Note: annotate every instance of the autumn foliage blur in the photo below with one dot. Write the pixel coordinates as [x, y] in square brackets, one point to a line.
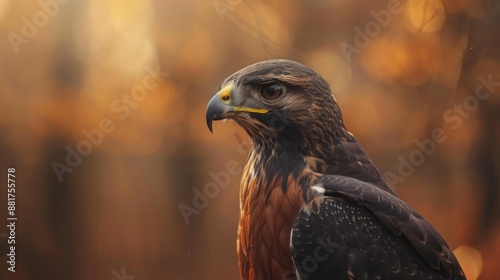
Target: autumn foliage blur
[102, 112]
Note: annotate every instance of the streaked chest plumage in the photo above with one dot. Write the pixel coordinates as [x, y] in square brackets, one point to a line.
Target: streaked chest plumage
[268, 212]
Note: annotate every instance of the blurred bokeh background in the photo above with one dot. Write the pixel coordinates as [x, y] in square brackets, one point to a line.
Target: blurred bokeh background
[102, 113]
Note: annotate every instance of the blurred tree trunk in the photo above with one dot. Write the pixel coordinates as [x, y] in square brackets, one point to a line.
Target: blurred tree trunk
[483, 41]
[61, 219]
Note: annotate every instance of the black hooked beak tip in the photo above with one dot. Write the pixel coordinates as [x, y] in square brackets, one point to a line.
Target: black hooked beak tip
[216, 110]
[218, 107]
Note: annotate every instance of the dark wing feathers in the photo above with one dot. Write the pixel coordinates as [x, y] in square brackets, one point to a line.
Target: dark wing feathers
[396, 215]
[379, 235]
[356, 246]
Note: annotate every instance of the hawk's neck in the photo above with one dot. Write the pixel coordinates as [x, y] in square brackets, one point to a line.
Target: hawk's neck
[272, 194]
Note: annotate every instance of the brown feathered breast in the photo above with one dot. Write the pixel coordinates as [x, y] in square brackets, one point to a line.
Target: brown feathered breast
[267, 215]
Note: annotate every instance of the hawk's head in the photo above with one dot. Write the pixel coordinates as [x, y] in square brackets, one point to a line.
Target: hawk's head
[280, 102]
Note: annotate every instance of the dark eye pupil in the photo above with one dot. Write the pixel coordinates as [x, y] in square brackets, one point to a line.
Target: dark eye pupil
[272, 92]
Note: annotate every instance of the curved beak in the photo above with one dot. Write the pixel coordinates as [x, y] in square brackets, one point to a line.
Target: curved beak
[220, 106]
[217, 110]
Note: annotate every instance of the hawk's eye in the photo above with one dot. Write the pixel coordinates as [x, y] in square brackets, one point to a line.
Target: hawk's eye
[271, 91]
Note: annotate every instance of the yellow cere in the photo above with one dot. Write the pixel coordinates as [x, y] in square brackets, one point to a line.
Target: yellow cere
[225, 93]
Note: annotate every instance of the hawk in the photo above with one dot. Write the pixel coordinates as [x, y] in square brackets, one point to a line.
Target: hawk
[312, 203]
